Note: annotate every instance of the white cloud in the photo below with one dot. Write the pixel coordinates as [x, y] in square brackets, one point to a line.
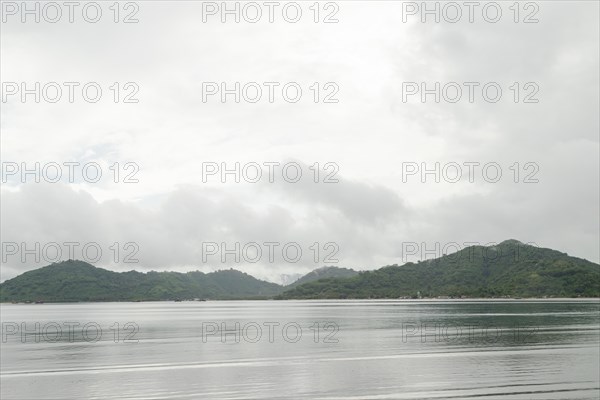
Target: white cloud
[369, 133]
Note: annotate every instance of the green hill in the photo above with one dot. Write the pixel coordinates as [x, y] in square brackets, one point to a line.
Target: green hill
[79, 281]
[324, 272]
[508, 269]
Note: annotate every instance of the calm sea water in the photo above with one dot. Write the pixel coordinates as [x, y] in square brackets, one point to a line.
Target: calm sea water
[302, 349]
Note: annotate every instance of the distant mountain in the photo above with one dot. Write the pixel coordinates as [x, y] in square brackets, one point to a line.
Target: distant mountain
[288, 279]
[324, 272]
[508, 269]
[79, 281]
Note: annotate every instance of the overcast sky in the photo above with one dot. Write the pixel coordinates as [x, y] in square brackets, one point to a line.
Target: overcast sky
[365, 217]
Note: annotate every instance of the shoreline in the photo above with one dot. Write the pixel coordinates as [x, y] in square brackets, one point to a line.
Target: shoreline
[432, 300]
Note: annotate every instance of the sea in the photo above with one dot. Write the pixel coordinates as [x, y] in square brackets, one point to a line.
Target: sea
[322, 349]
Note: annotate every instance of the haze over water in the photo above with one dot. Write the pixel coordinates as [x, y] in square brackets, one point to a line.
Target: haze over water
[346, 349]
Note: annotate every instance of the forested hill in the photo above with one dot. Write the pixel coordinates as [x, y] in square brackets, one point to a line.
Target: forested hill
[325, 272]
[79, 281]
[509, 269]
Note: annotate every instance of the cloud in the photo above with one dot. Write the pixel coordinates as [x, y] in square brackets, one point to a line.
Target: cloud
[173, 234]
[171, 133]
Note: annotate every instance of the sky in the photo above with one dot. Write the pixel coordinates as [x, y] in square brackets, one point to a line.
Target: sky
[359, 165]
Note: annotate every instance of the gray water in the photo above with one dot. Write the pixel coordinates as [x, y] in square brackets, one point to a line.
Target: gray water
[302, 349]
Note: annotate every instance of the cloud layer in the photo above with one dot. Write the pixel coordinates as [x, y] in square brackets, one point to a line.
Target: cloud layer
[368, 134]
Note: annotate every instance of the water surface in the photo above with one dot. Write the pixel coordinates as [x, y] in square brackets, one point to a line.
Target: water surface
[302, 349]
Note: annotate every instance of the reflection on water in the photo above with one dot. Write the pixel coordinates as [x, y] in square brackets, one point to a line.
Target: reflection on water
[302, 349]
